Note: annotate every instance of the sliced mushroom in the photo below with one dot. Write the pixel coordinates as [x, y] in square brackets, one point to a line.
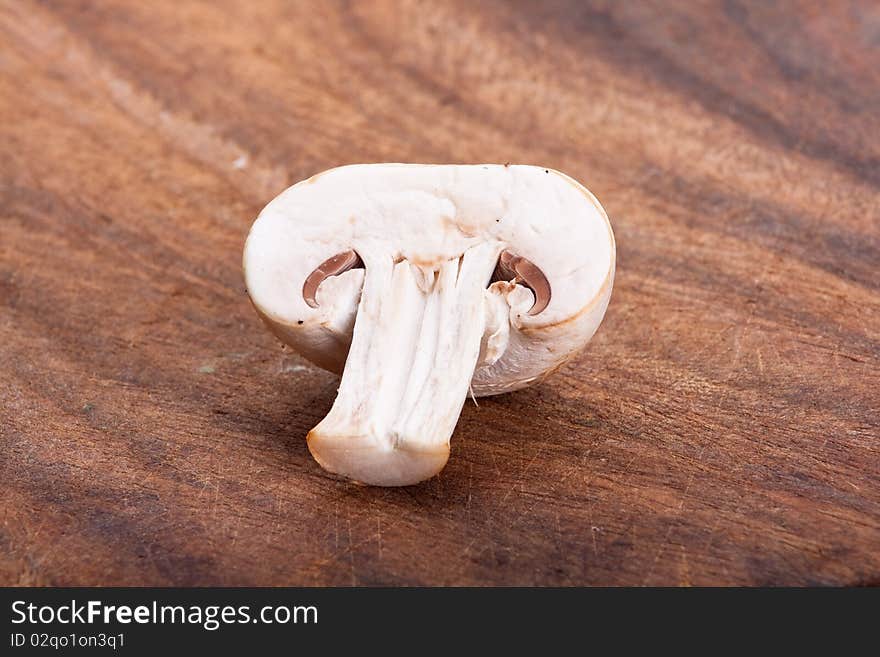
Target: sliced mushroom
[403, 255]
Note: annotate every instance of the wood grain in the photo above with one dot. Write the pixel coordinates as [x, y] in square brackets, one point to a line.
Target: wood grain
[723, 427]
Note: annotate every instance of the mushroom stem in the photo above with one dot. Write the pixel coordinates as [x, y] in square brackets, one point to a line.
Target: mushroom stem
[414, 349]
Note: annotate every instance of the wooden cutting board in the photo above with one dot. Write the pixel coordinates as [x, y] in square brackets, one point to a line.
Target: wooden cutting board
[722, 428]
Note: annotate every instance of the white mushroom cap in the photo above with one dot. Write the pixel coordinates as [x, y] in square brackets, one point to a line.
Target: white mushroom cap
[425, 240]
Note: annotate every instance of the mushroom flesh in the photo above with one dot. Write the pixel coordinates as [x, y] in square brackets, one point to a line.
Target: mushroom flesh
[422, 284]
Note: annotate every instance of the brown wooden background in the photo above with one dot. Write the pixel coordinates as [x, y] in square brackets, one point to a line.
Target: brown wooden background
[722, 429]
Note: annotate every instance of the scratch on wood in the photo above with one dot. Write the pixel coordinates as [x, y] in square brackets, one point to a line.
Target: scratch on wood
[351, 555]
[660, 551]
[379, 536]
[684, 571]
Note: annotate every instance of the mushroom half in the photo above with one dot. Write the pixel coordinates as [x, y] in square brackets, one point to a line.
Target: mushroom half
[421, 284]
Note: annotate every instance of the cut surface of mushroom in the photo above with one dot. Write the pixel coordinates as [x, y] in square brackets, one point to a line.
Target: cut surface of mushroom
[435, 282]
[415, 345]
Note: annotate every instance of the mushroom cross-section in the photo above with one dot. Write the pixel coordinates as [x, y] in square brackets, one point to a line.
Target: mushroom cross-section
[421, 284]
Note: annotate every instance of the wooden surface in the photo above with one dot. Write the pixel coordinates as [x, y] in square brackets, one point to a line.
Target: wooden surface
[721, 429]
